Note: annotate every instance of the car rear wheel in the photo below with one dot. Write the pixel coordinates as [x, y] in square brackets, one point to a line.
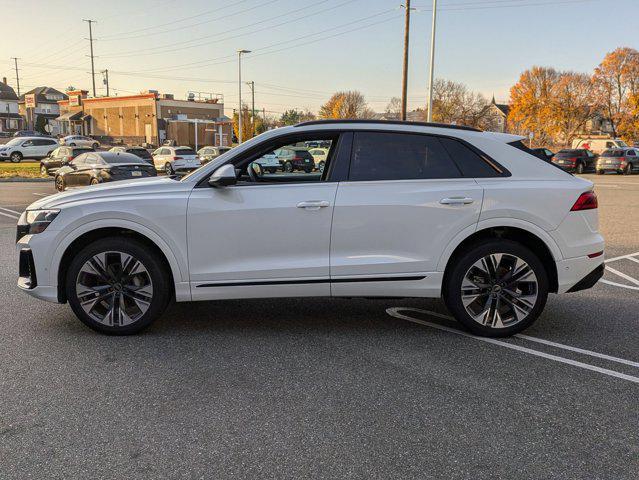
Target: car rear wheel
[168, 169]
[117, 286]
[321, 166]
[16, 157]
[496, 288]
[94, 181]
[628, 169]
[580, 168]
[60, 184]
[271, 170]
[288, 167]
[43, 170]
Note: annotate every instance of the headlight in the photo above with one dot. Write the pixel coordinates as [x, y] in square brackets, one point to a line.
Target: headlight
[35, 221]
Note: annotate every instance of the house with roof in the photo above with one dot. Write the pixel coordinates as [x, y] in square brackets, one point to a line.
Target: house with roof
[47, 107]
[498, 116]
[10, 118]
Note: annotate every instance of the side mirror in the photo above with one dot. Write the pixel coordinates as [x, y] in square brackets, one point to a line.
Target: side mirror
[223, 176]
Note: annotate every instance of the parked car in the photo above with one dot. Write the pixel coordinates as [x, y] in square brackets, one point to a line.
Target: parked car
[59, 157]
[99, 167]
[175, 160]
[80, 141]
[597, 145]
[27, 147]
[30, 133]
[206, 154]
[406, 210]
[578, 161]
[141, 152]
[293, 158]
[319, 157]
[269, 162]
[622, 160]
[543, 153]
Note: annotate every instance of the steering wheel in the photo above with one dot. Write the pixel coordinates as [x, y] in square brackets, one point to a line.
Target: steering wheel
[254, 171]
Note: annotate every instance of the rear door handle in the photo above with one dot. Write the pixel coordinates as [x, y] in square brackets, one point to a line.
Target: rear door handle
[456, 201]
[313, 204]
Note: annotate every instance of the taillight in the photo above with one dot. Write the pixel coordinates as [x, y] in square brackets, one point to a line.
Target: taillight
[177, 158]
[586, 201]
[297, 158]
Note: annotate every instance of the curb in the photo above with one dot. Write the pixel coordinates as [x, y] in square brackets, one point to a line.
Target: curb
[25, 179]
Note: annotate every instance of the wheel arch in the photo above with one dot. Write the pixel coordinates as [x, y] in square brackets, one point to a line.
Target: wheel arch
[91, 232]
[540, 243]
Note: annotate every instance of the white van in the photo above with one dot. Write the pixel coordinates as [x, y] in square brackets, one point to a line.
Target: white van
[598, 144]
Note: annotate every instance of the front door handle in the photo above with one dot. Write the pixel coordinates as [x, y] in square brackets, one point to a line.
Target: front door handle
[456, 201]
[313, 204]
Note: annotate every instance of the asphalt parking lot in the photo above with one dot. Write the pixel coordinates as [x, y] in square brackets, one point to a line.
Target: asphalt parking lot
[317, 388]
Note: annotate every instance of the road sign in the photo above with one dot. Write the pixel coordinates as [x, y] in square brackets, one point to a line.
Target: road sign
[30, 100]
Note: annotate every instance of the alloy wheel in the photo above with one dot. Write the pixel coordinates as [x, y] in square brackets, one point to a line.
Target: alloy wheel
[499, 290]
[114, 288]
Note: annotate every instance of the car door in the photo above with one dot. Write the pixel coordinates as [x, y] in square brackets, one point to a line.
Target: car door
[158, 158]
[75, 168]
[591, 160]
[405, 200]
[269, 239]
[29, 149]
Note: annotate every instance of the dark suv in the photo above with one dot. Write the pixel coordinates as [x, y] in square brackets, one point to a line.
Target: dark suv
[620, 160]
[578, 160]
[295, 158]
[60, 157]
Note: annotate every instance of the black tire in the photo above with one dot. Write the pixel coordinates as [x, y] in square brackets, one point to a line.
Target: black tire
[321, 166]
[95, 146]
[288, 167]
[580, 168]
[628, 169]
[168, 169]
[94, 181]
[160, 279]
[43, 170]
[600, 172]
[308, 170]
[15, 157]
[60, 184]
[456, 271]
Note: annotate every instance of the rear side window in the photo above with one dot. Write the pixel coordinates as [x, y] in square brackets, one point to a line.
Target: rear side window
[469, 162]
[399, 156]
[78, 151]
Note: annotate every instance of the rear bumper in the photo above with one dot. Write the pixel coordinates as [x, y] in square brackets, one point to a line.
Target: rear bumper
[589, 280]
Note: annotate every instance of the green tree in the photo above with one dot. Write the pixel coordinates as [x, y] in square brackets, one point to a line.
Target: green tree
[40, 123]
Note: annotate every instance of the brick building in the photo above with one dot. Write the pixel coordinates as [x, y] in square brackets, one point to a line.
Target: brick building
[143, 118]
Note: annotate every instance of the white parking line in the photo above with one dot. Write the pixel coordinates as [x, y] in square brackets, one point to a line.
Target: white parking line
[622, 275]
[15, 217]
[8, 210]
[394, 312]
[633, 258]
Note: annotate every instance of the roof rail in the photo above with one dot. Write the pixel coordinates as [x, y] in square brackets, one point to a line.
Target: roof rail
[389, 122]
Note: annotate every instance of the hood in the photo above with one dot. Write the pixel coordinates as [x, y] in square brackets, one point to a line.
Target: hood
[124, 188]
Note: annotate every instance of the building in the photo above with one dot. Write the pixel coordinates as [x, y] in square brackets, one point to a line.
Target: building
[498, 116]
[147, 117]
[46, 106]
[10, 118]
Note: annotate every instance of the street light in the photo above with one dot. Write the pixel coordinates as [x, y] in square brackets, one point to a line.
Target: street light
[429, 115]
[239, 73]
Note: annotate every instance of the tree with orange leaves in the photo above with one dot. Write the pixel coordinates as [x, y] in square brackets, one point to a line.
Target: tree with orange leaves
[350, 104]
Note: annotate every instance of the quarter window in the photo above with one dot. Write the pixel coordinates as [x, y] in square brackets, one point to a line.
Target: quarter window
[469, 162]
[399, 156]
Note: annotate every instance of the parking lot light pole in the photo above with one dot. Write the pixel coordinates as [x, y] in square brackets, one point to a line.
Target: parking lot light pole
[239, 74]
[429, 117]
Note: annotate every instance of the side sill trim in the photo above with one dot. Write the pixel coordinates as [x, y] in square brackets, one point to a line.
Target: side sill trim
[306, 282]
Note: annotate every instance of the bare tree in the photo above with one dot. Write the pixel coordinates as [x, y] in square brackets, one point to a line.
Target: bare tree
[349, 104]
[394, 107]
[454, 103]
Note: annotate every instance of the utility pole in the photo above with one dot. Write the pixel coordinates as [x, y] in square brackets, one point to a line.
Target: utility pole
[264, 117]
[429, 117]
[91, 46]
[252, 85]
[105, 80]
[15, 60]
[239, 82]
[402, 115]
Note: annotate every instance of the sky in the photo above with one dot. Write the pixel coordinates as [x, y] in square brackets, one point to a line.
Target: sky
[302, 50]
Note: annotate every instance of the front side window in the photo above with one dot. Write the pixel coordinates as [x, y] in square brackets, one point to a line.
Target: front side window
[399, 156]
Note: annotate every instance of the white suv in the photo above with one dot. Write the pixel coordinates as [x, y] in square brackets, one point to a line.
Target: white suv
[172, 160]
[27, 147]
[401, 210]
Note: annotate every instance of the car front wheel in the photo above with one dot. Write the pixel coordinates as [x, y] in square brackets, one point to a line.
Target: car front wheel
[16, 157]
[117, 286]
[43, 170]
[60, 185]
[496, 288]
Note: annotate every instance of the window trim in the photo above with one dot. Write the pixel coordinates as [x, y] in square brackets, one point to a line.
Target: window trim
[500, 171]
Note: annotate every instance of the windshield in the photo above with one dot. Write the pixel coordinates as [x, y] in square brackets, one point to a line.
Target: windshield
[621, 143]
[184, 151]
[15, 141]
